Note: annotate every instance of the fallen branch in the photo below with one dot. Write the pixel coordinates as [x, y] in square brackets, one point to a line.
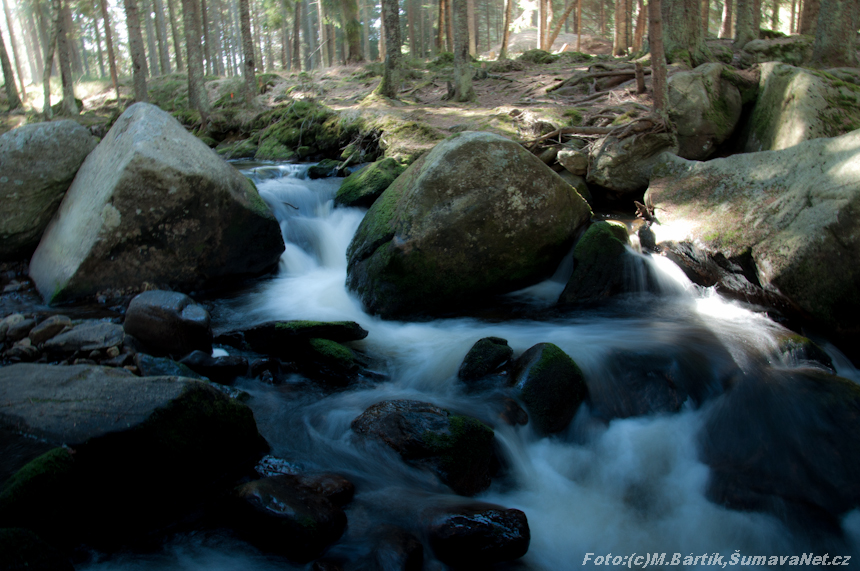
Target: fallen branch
[570, 131]
[573, 81]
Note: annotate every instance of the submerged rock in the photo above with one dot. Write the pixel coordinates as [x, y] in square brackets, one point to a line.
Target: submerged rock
[153, 203]
[550, 385]
[150, 366]
[789, 212]
[284, 515]
[169, 323]
[459, 449]
[476, 535]
[38, 163]
[223, 369]
[477, 215]
[362, 188]
[484, 358]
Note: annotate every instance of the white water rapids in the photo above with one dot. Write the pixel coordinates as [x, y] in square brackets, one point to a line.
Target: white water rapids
[630, 486]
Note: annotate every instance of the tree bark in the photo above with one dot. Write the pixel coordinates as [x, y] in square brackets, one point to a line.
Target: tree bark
[248, 66]
[792, 28]
[109, 42]
[297, 46]
[154, 68]
[619, 42]
[726, 28]
[9, 78]
[69, 105]
[682, 33]
[138, 57]
[809, 17]
[473, 32]
[11, 27]
[744, 30]
[50, 46]
[352, 31]
[463, 90]
[659, 87]
[506, 29]
[756, 17]
[197, 96]
[449, 11]
[706, 16]
[99, 52]
[774, 18]
[641, 25]
[217, 45]
[161, 37]
[177, 45]
[835, 35]
[557, 30]
[365, 30]
[390, 84]
[207, 44]
[541, 27]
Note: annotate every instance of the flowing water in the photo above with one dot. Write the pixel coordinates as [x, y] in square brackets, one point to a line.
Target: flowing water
[627, 486]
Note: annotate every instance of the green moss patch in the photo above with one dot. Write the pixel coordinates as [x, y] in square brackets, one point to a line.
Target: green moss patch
[362, 188]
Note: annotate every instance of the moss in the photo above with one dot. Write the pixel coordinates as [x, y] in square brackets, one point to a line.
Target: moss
[599, 237]
[574, 57]
[50, 470]
[365, 186]
[551, 388]
[464, 453]
[626, 117]
[538, 57]
[574, 116]
[273, 150]
[324, 169]
[444, 59]
[333, 352]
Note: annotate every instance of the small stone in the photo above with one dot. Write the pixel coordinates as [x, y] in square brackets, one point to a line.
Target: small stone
[95, 355]
[49, 328]
[7, 322]
[113, 352]
[19, 330]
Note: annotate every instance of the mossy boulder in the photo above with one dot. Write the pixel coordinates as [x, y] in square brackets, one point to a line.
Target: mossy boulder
[306, 127]
[173, 441]
[39, 162]
[485, 357]
[796, 104]
[799, 350]
[793, 50]
[362, 188]
[153, 203]
[600, 265]
[550, 385]
[324, 169]
[458, 449]
[275, 337]
[270, 149]
[23, 550]
[243, 149]
[478, 215]
[624, 165]
[705, 109]
[792, 213]
[538, 56]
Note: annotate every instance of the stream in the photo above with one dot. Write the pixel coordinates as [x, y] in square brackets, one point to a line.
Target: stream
[628, 486]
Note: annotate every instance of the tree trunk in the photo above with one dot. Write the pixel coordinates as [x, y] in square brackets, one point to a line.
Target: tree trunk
[297, 46]
[323, 45]
[682, 33]
[34, 42]
[84, 54]
[641, 25]
[809, 17]
[15, 54]
[578, 25]
[449, 12]
[177, 45]
[463, 90]
[154, 69]
[541, 24]
[365, 30]
[756, 17]
[98, 37]
[774, 18]
[138, 57]
[835, 35]
[310, 37]
[217, 46]
[69, 105]
[726, 29]
[619, 42]
[207, 44]
[9, 78]
[161, 37]
[744, 30]
[440, 27]
[76, 66]
[473, 32]
[46, 75]
[506, 29]
[248, 66]
[352, 31]
[706, 17]
[197, 96]
[390, 84]
[109, 42]
[792, 28]
[410, 26]
[557, 30]
[659, 87]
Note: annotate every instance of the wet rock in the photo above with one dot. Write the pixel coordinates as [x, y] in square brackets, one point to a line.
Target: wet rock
[20, 329]
[86, 336]
[283, 515]
[23, 350]
[48, 328]
[788, 213]
[550, 385]
[39, 163]
[796, 105]
[8, 322]
[793, 50]
[169, 322]
[276, 337]
[624, 165]
[757, 439]
[333, 487]
[799, 350]
[24, 550]
[602, 266]
[484, 358]
[173, 441]
[150, 366]
[395, 550]
[324, 169]
[477, 534]
[154, 204]
[445, 233]
[705, 108]
[579, 185]
[513, 414]
[459, 449]
[362, 188]
[222, 370]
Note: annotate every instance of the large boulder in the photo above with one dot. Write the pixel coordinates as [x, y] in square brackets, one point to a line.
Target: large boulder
[792, 214]
[477, 215]
[705, 109]
[169, 323]
[793, 50]
[160, 443]
[459, 449]
[38, 163]
[624, 165]
[153, 203]
[796, 104]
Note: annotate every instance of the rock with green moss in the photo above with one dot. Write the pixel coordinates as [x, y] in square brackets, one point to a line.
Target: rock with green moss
[793, 50]
[538, 56]
[550, 385]
[324, 169]
[705, 109]
[306, 127]
[153, 203]
[476, 216]
[275, 337]
[271, 149]
[23, 550]
[600, 261]
[39, 163]
[798, 350]
[791, 212]
[624, 165]
[172, 440]
[459, 449]
[362, 188]
[485, 358]
[796, 105]
[284, 514]
[579, 185]
[244, 149]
